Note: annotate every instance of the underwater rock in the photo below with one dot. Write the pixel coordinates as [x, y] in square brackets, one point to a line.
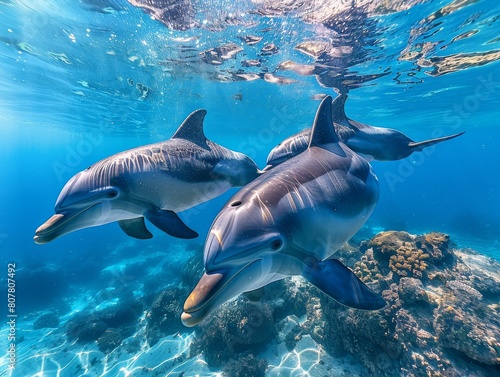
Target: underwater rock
[123, 314]
[289, 331]
[49, 320]
[411, 291]
[482, 272]
[247, 366]
[89, 326]
[287, 297]
[163, 317]
[238, 328]
[472, 329]
[86, 332]
[109, 341]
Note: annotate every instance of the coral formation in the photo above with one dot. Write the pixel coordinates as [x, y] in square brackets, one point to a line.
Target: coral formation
[163, 317]
[408, 261]
[247, 366]
[88, 326]
[108, 341]
[238, 328]
[440, 317]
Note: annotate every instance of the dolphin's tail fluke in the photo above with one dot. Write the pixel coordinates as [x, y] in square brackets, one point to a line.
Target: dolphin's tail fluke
[418, 146]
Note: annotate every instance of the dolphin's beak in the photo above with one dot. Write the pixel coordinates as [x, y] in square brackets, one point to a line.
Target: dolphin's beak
[216, 288]
[199, 298]
[45, 232]
[60, 224]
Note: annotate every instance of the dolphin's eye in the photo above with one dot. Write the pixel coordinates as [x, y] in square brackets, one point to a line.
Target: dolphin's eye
[276, 244]
[236, 203]
[112, 194]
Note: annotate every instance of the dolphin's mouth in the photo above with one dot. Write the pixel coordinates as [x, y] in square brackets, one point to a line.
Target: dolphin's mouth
[208, 289]
[47, 231]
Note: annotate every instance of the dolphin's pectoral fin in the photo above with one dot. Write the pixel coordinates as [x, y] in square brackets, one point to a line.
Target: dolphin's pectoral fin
[170, 223]
[340, 283]
[135, 228]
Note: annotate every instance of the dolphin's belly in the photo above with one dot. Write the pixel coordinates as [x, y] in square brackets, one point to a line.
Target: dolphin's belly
[166, 192]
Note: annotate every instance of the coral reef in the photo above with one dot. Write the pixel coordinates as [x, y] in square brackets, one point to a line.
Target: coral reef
[109, 340]
[441, 317]
[85, 331]
[403, 254]
[237, 329]
[163, 317]
[247, 366]
[89, 326]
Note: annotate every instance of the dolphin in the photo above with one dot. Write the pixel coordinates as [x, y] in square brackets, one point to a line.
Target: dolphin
[289, 221]
[154, 182]
[374, 143]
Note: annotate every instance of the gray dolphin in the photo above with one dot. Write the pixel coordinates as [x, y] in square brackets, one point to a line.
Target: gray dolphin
[152, 182]
[374, 143]
[288, 222]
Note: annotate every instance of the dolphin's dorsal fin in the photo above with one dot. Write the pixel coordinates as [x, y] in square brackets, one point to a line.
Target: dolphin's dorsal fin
[192, 129]
[323, 131]
[338, 110]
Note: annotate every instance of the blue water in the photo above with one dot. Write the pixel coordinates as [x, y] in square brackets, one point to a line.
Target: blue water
[72, 92]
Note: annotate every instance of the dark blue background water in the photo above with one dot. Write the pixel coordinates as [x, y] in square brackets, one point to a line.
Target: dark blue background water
[59, 114]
